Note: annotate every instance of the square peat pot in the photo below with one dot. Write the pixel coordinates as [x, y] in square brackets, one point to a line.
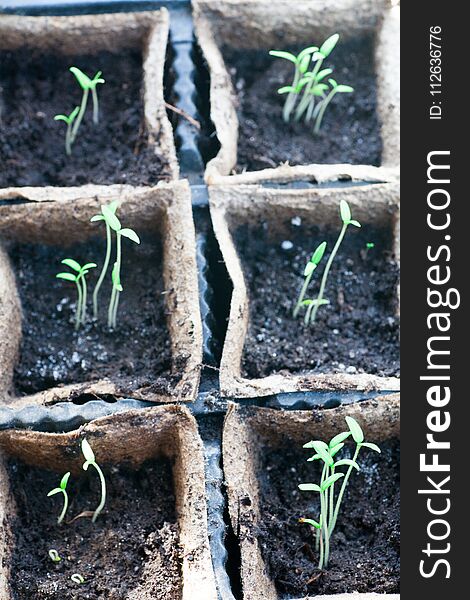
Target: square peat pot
[155, 351]
[133, 142]
[264, 462]
[267, 235]
[150, 540]
[359, 139]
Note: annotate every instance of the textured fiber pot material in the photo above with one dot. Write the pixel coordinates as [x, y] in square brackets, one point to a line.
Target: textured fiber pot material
[65, 219]
[89, 34]
[247, 433]
[261, 24]
[128, 439]
[232, 206]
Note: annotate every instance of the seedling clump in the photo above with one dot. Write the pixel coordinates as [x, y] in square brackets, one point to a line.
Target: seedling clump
[308, 93]
[75, 118]
[90, 460]
[62, 489]
[329, 503]
[314, 304]
[79, 278]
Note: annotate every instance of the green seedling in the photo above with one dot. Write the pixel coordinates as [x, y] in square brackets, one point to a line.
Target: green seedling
[308, 272]
[116, 274]
[308, 90]
[345, 213]
[62, 489]
[108, 215]
[79, 278]
[54, 555]
[86, 84]
[301, 64]
[329, 504]
[370, 245]
[68, 132]
[90, 460]
[77, 578]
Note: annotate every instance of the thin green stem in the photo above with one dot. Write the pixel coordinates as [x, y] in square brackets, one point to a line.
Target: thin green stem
[327, 270]
[111, 307]
[332, 500]
[308, 313]
[78, 310]
[306, 95]
[94, 95]
[68, 141]
[324, 104]
[319, 538]
[103, 492]
[115, 309]
[302, 294]
[343, 488]
[103, 271]
[84, 298]
[64, 509]
[291, 97]
[80, 115]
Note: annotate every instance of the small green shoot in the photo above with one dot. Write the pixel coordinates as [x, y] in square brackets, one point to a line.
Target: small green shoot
[308, 272]
[370, 245]
[329, 504]
[90, 460]
[77, 578]
[108, 215]
[68, 132]
[54, 555]
[79, 278]
[308, 89]
[62, 489]
[86, 84]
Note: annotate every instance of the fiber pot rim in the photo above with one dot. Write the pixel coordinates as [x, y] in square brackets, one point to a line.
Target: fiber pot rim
[267, 25]
[244, 429]
[378, 201]
[29, 220]
[149, 30]
[129, 438]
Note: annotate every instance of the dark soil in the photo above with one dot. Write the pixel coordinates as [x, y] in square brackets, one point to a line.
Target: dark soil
[366, 543]
[350, 131]
[136, 355]
[132, 552]
[35, 87]
[357, 332]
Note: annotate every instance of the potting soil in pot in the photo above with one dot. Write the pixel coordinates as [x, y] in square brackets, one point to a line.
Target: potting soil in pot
[132, 552]
[364, 553]
[350, 131]
[35, 87]
[357, 332]
[135, 355]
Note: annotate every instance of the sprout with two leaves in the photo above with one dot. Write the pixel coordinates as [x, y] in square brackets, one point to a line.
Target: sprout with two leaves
[68, 133]
[79, 278]
[329, 504]
[308, 272]
[62, 489]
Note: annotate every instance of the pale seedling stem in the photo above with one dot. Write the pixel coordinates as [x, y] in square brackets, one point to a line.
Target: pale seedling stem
[62, 489]
[81, 113]
[307, 97]
[90, 460]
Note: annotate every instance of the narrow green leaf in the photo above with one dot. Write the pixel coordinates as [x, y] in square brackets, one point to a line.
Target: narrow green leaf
[84, 81]
[317, 55]
[67, 276]
[89, 266]
[339, 438]
[73, 264]
[347, 462]
[62, 118]
[371, 446]
[318, 254]
[74, 113]
[287, 89]
[306, 52]
[329, 481]
[355, 223]
[310, 522]
[306, 302]
[322, 449]
[54, 492]
[319, 89]
[113, 206]
[323, 73]
[87, 451]
[130, 234]
[328, 45]
[309, 269]
[344, 89]
[282, 54]
[312, 442]
[97, 218]
[321, 302]
[303, 64]
[333, 83]
[355, 430]
[336, 449]
[314, 457]
[64, 480]
[309, 487]
[345, 211]
[111, 218]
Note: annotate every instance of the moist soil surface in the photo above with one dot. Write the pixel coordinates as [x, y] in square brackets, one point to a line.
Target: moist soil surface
[356, 333]
[36, 87]
[137, 355]
[132, 552]
[350, 131]
[364, 554]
